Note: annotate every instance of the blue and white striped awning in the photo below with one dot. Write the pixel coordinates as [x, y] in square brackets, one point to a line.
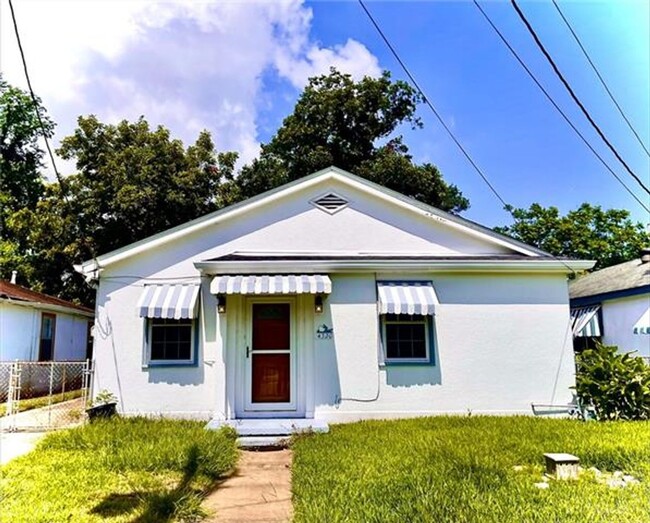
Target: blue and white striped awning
[407, 297]
[272, 284]
[169, 301]
[585, 321]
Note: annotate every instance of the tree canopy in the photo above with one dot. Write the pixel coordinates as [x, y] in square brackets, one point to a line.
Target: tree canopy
[340, 122]
[21, 183]
[589, 232]
[133, 181]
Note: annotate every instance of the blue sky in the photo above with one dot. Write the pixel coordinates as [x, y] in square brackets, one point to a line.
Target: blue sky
[237, 68]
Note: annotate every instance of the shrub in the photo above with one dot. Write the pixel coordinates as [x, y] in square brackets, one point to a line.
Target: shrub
[615, 385]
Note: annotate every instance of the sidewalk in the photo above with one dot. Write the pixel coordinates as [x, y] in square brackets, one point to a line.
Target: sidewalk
[258, 491]
[59, 415]
[14, 444]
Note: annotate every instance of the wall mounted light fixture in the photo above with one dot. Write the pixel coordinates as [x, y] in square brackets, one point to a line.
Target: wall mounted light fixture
[318, 304]
[221, 303]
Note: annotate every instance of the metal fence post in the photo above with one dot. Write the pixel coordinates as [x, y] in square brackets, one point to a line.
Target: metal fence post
[49, 397]
[63, 382]
[13, 394]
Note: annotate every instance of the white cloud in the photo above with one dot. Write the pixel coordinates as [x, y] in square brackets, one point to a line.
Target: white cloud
[184, 64]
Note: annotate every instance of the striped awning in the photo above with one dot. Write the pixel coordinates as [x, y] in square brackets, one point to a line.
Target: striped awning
[408, 297]
[585, 321]
[169, 301]
[272, 284]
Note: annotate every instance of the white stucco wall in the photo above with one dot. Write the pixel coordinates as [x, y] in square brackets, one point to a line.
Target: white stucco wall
[20, 327]
[619, 319]
[184, 391]
[501, 341]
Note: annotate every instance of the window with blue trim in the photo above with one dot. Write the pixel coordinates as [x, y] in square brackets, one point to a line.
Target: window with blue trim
[171, 341]
[406, 338]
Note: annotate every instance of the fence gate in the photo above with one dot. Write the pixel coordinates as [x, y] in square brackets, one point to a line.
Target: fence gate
[43, 395]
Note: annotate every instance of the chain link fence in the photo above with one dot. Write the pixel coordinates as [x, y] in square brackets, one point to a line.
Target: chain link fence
[43, 395]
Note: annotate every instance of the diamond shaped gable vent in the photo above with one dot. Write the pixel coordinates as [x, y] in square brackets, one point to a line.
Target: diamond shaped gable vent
[330, 203]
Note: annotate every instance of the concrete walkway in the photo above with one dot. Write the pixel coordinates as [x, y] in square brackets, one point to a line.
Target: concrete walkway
[259, 490]
[64, 414]
[14, 444]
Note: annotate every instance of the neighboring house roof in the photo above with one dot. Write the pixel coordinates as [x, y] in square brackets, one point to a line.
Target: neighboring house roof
[627, 278]
[331, 173]
[12, 292]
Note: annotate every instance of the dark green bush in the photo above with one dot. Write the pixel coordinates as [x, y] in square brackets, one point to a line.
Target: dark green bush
[615, 385]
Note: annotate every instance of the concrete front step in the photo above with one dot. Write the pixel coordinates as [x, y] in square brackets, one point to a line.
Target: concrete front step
[263, 442]
[270, 426]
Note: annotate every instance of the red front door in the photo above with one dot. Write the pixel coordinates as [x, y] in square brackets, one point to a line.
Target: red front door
[271, 353]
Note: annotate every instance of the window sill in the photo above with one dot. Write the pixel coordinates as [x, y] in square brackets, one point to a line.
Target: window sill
[165, 365]
[417, 363]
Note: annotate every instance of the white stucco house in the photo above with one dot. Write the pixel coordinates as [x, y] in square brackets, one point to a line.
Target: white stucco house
[39, 327]
[333, 299]
[612, 305]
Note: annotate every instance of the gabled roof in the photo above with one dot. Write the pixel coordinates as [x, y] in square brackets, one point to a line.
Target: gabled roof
[622, 277]
[10, 291]
[330, 173]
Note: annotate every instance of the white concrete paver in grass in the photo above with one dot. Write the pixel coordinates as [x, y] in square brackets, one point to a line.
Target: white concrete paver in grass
[14, 444]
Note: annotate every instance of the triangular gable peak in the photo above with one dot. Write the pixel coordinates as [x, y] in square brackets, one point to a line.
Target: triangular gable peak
[328, 213]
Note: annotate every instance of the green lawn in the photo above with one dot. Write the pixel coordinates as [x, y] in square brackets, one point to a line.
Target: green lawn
[133, 469]
[460, 469]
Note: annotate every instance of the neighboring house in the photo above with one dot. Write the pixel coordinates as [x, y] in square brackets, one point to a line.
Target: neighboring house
[336, 299]
[613, 305]
[38, 327]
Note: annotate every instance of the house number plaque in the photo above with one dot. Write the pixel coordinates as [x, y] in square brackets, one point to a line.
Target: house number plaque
[324, 332]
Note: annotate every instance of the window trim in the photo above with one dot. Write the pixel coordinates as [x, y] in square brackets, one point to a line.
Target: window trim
[429, 334]
[194, 345]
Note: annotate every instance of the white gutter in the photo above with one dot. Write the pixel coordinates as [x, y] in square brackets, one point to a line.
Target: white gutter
[48, 307]
[314, 266]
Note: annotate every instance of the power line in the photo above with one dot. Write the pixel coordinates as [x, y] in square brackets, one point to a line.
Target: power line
[63, 195]
[574, 96]
[508, 208]
[556, 106]
[431, 106]
[602, 80]
[36, 105]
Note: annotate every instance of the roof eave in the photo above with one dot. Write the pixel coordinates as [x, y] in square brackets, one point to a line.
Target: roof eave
[313, 266]
[48, 306]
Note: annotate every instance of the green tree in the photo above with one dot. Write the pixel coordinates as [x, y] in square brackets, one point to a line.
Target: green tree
[589, 232]
[132, 182]
[21, 182]
[340, 122]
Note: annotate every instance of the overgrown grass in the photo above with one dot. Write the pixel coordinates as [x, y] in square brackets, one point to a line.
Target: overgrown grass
[134, 469]
[453, 469]
[43, 401]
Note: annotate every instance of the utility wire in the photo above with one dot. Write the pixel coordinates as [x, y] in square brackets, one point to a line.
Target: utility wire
[556, 106]
[602, 80]
[35, 100]
[559, 74]
[508, 208]
[59, 178]
[431, 106]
